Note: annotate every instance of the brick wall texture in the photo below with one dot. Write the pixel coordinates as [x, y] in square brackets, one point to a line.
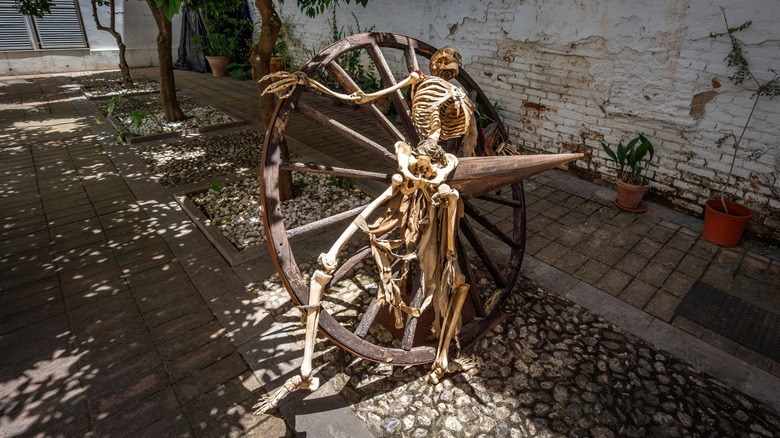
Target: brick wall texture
[569, 75]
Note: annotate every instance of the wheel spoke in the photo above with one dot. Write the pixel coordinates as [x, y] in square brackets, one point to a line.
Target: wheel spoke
[501, 200]
[350, 263]
[333, 170]
[411, 58]
[350, 86]
[319, 226]
[479, 308]
[345, 131]
[368, 317]
[471, 236]
[396, 97]
[485, 222]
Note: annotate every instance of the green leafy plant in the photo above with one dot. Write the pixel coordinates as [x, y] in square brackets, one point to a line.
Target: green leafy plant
[634, 159]
[484, 118]
[297, 187]
[222, 36]
[215, 186]
[240, 71]
[771, 88]
[137, 117]
[342, 182]
[352, 61]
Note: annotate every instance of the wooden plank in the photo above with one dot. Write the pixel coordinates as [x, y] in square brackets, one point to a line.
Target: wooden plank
[333, 170]
[490, 226]
[475, 176]
[346, 131]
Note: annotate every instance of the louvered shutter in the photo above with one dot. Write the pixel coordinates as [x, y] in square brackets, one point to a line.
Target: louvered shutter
[14, 29]
[61, 28]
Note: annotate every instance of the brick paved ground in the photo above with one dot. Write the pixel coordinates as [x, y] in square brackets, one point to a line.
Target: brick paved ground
[101, 329]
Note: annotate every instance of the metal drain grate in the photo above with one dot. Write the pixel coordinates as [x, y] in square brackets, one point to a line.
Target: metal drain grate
[746, 324]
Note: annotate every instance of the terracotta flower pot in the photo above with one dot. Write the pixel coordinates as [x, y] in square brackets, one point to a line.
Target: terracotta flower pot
[218, 65]
[277, 64]
[721, 228]
[629, 196]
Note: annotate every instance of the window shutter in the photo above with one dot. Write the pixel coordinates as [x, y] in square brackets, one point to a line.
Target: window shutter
[61, 28]
[14, 31]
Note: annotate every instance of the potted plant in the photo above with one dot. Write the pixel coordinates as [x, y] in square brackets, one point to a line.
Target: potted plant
[725, 221]
[279, 57]
[633, 160]
[218, 45]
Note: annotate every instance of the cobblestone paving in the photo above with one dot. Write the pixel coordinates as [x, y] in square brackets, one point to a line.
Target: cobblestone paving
[551, 369]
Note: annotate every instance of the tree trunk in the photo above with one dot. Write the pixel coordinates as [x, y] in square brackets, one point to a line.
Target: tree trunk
[127, 80]
[260, 60]
[164, 55]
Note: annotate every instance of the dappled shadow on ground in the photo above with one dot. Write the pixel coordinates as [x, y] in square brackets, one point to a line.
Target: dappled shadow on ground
[101, 330]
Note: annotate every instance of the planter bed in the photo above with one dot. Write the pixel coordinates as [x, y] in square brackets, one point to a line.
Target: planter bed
[202, 158]
[231, 217]
[201, 118]
[104, 85]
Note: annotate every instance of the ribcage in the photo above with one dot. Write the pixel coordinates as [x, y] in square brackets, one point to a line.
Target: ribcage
[438, 106]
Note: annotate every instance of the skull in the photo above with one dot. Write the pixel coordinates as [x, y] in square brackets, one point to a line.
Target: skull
[445, 63]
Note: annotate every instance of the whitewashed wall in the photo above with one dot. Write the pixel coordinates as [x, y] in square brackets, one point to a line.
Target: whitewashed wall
[568, 75]
[134, 22]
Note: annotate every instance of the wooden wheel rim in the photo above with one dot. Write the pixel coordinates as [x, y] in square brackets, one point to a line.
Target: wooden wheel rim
[278, 242]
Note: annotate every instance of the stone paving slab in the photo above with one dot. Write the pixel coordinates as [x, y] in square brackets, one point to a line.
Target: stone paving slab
[97, 294]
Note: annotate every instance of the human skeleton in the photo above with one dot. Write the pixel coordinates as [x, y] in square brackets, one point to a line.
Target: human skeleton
[419, 204]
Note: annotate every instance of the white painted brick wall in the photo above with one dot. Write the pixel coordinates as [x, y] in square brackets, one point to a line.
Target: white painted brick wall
[604, 71]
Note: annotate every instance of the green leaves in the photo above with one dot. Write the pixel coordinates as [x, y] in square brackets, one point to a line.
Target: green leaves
[137, 118]
[314, 7]
[169, 7]
[633, 159]
[36, 8]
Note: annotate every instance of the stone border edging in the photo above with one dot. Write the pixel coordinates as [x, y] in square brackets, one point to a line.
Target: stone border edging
[233, 255]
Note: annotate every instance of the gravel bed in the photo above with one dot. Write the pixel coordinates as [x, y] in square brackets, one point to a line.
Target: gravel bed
[235, 208]
[196, 117]
[200, 158]
[110, 83]
[197, 114]
[551, 369]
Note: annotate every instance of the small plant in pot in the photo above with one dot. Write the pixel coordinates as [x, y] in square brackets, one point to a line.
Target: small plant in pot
[632, 160]
[725, 221]
[218, 45]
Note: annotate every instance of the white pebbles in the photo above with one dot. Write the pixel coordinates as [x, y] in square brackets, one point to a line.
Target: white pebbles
[235, 208]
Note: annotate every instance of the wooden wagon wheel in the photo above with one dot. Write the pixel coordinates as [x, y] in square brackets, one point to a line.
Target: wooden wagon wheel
[487, 293]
